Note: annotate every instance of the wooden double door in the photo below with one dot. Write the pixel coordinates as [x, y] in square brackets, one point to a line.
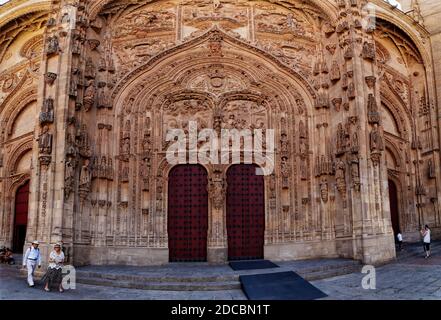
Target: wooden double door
[20, 217]
[188, 213]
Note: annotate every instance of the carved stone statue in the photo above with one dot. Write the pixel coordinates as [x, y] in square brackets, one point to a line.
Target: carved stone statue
[376, 140]
[146, 143]
[340, 171]
[102, 64]
[284, 146]
[144, 172]
[53, 45]
[69, 173]
[127, 129]
[217, 191]
[109, 171]
[335, 74]
[351, 91]
[303, 147]
[84, 143]
[90, 71]
[85, 176]
[355, 142]
[102, 173]
[355, 172]
[45, 141]
[373, 114]
[124, 175]
[73, 90]
[47, 112]
[272, 185]
[341, 145]
[125, 148]
[89, 96]
[285, 170]
[368, 51]
[102, 101]
[324, 193]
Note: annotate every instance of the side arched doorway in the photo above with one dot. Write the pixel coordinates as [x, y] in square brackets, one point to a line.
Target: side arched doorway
[245, 213]
[394, 211]
[20, 217]
[187, 213]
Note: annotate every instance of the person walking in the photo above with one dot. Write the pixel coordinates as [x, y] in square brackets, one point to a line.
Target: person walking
[54, 274]
[400, 241]
[426, 240]
[32, 259]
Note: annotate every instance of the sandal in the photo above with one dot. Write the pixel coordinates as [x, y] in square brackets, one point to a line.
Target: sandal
[47, 289]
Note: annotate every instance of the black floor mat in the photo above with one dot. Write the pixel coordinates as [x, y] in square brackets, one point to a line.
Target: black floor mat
[279, 286]
[252, 265]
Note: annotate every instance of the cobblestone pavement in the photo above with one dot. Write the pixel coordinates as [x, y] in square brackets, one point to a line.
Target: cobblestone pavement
[13, 286]
[411, 277]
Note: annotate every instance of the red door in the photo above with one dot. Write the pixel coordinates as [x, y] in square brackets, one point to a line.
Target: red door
[245, 213]
[20, 217]
[187, 213]
[393, 200]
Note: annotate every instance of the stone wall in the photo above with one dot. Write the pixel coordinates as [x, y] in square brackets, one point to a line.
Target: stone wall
[351, 106]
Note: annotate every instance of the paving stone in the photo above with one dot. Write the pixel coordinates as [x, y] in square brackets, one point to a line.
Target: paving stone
[400, 280]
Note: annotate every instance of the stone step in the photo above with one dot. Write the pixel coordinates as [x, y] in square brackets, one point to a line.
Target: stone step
[157, 278]
[353, 265]
[330, 273]
[163, 286]
[210, 281]
[204, 282]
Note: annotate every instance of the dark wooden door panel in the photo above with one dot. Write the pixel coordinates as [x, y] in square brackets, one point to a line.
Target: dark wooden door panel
[394, 212]
[21, 217]
[188, 213]
[245, 213]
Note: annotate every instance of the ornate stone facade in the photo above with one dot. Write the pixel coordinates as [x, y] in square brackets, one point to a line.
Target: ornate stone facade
[88, 90]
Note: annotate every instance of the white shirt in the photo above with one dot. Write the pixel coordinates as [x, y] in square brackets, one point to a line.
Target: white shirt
[427, 237]
[32, 254]
[400, 237]
[56, 260]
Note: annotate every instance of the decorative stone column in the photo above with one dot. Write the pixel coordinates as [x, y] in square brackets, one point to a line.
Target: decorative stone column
[48, 211]
[217, 248]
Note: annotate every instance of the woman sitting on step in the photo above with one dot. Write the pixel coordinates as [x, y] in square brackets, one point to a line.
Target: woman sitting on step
[54, 275]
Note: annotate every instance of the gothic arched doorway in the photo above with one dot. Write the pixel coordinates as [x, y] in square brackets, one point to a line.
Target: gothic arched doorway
[245, 213]
[20, 217]
[187, 213]
[394, 211]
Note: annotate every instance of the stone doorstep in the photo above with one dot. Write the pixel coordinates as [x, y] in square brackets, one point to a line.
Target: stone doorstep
[202, 282]
[320, 275]
[158, 278]
[205, 283]
[164, 286]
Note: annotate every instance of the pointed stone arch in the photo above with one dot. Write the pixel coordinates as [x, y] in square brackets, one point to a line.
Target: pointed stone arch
[328, 9]
[133, 81]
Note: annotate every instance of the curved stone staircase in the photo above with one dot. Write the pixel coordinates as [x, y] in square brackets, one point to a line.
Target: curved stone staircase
[203, 277]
